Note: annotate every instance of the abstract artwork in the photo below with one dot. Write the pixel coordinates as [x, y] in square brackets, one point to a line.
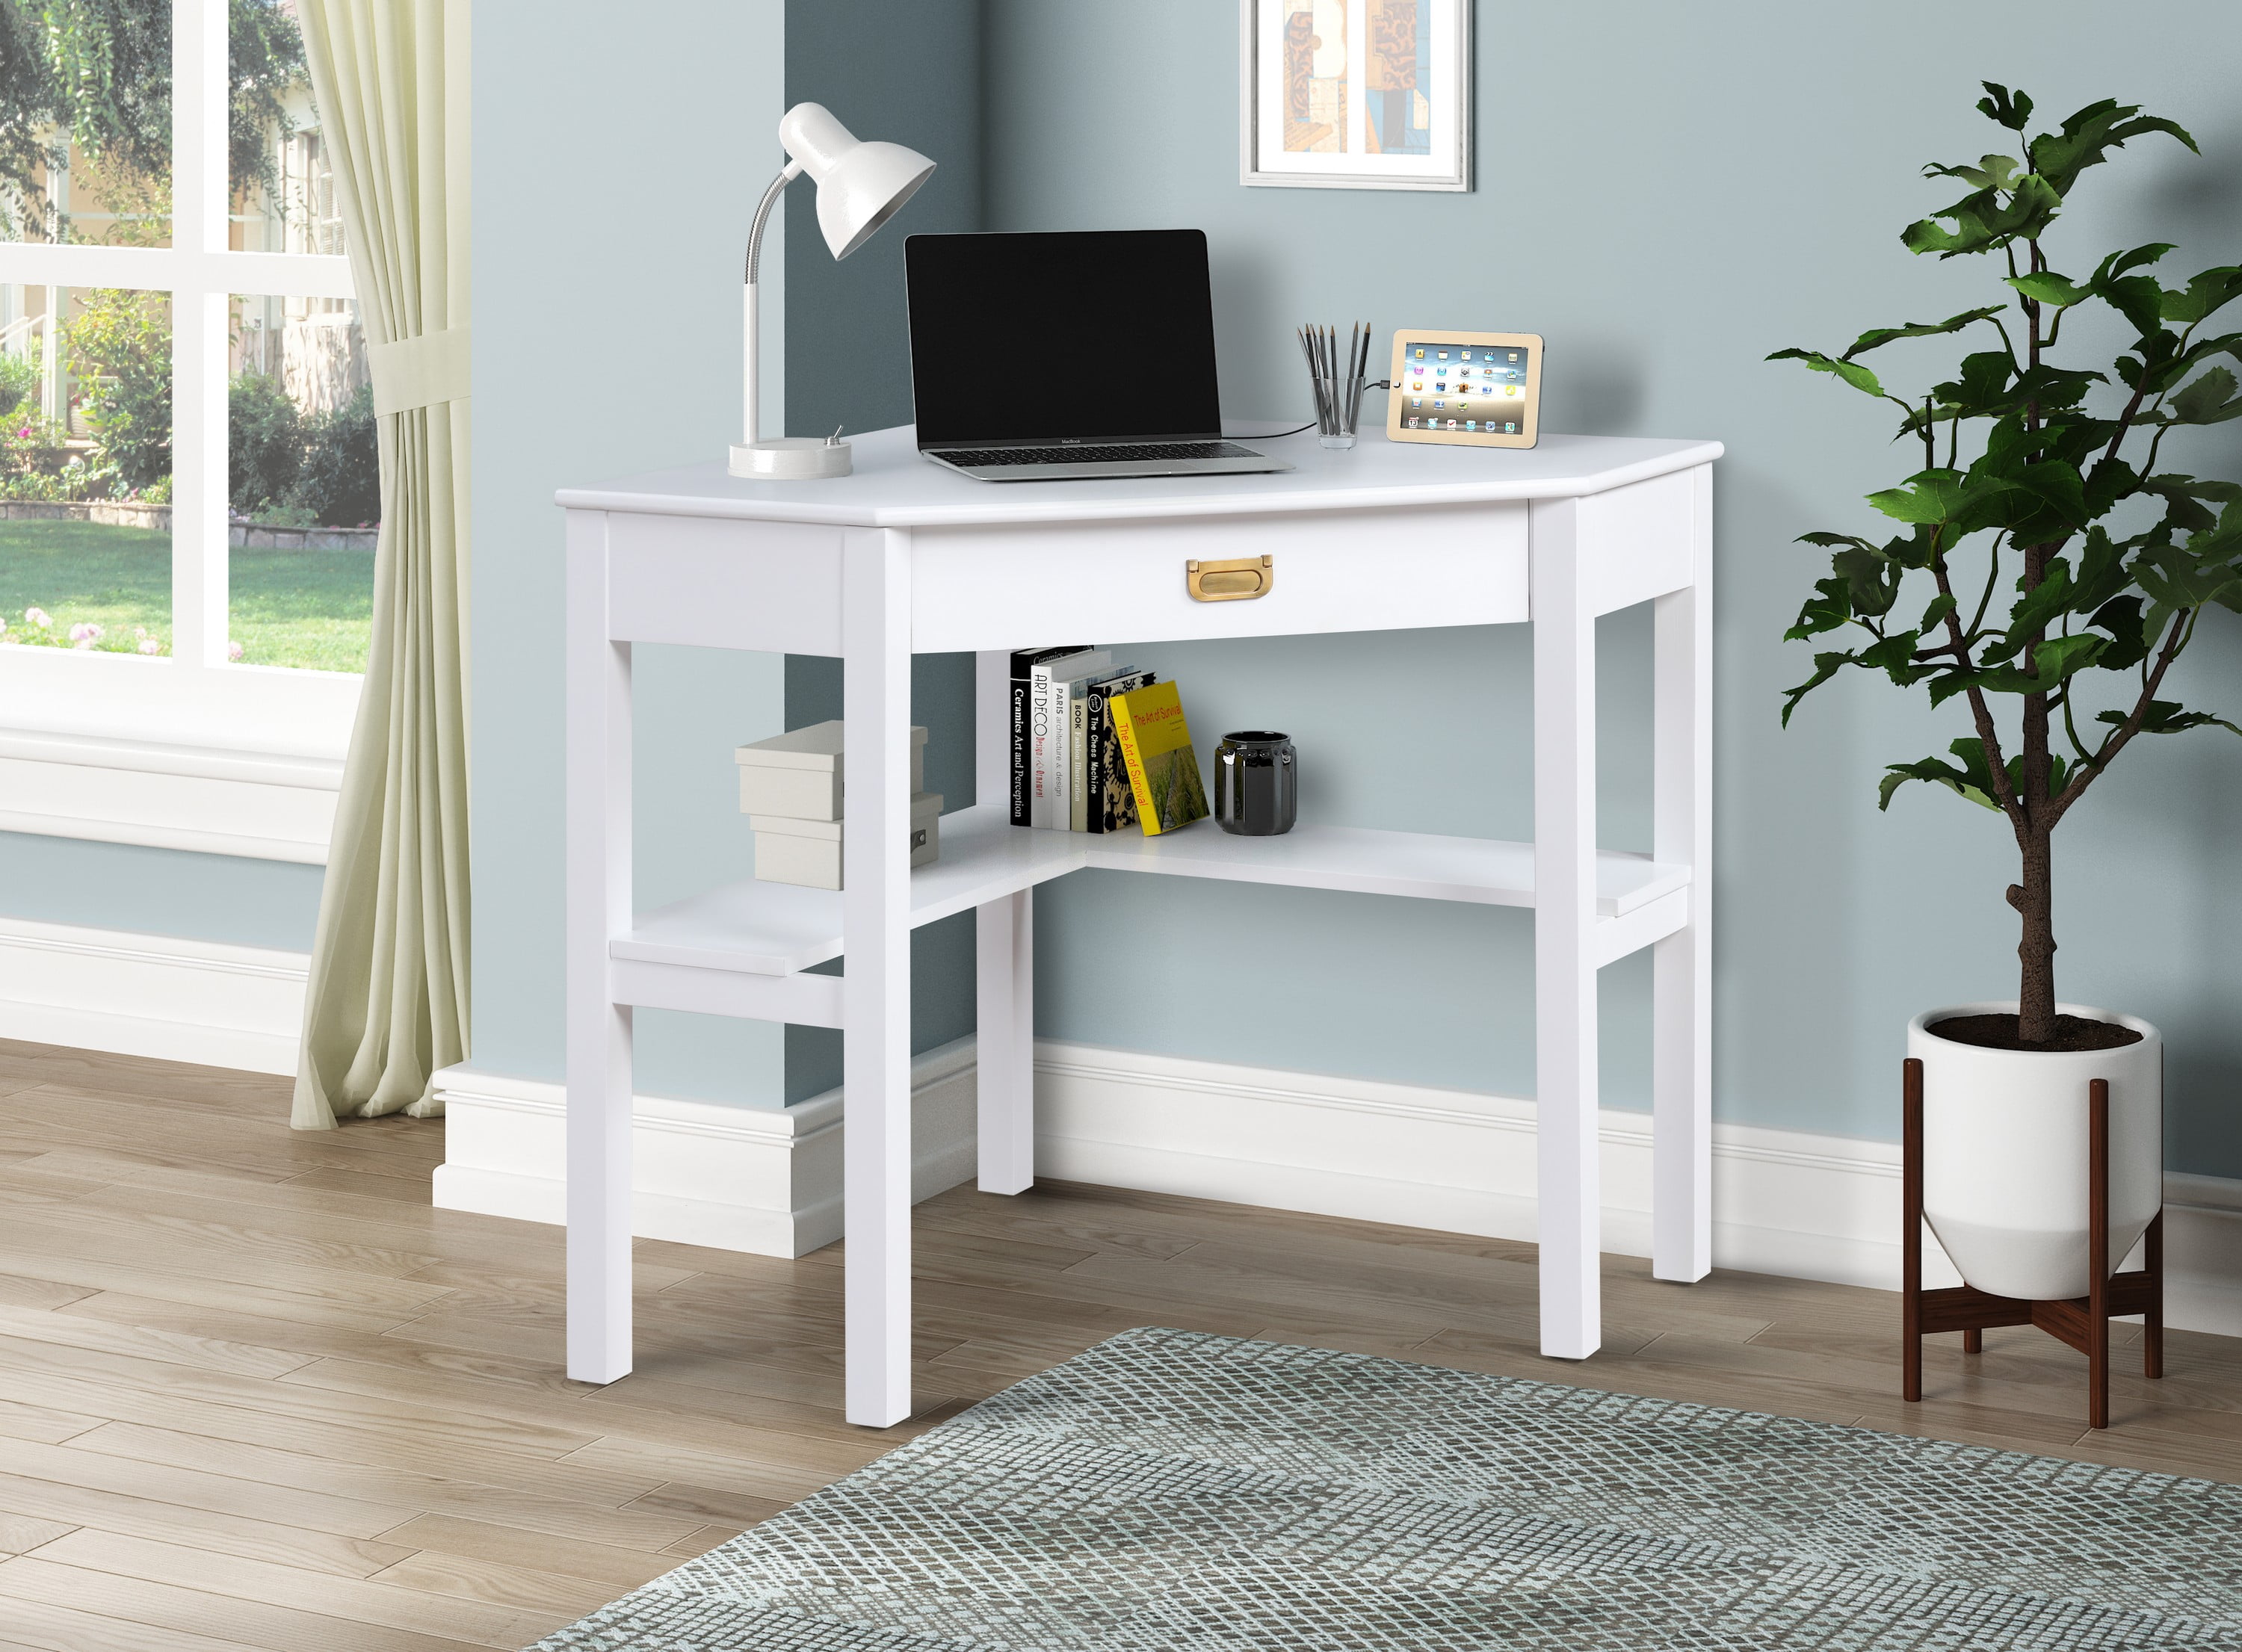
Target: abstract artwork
[1355, 94]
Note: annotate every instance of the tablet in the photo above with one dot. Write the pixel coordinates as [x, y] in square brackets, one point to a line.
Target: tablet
[1478, 389]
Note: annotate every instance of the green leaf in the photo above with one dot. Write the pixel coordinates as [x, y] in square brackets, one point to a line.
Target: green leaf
[2139, 298]
[1870, 579]
[2111, 480]
[1825, 667]
[2138, 257]
[2167, 717]
[1991, 172]
[1881, 336]
[2059, 657]
[1971, 750]
[2209, 399]
[2011, 111]
[2056, 485]
[2056, 389]
[1929, 497]
[1936, 612]
[2088, 136]
[1971, 778]
[2129, 644]
[2037, 608]
[2183, 511]
[1982, 389]
[2208, 293]
[1894, 657]
[2047, 287]
[1985, 220]
[2101, 568]
[1928, 769]
[1852, 372]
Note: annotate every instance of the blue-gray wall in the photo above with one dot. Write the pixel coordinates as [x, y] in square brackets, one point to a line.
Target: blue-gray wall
[1667, 193]
[615, 167]
[159, 892]
[908, 72]
[607, 341]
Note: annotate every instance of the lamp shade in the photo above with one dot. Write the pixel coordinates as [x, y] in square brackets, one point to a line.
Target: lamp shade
[859, 186]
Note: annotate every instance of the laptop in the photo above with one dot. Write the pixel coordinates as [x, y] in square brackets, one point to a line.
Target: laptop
[1061, 355]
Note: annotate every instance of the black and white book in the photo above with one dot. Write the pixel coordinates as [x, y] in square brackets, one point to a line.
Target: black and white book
[1049, 678]
[1109, 805]
[1075, 697]
[1022, 795]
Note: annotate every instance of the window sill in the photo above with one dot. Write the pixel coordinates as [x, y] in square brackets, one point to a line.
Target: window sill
[237, 759]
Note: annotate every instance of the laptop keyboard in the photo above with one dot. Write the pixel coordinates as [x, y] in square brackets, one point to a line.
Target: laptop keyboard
[1072, 454]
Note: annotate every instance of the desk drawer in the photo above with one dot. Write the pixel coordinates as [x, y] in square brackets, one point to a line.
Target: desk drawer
[976, 588]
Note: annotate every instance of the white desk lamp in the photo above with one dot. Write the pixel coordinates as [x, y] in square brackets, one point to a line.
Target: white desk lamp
[859, 186]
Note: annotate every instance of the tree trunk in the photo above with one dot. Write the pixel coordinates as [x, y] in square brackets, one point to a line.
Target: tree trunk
[2034, 899]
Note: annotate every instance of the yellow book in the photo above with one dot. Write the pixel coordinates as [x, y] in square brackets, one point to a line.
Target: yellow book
[1156, 749]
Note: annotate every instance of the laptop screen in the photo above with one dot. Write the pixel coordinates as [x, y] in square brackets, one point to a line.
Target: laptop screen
[1084, 334]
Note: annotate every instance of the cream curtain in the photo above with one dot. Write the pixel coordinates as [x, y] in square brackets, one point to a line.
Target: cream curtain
[388, 1000]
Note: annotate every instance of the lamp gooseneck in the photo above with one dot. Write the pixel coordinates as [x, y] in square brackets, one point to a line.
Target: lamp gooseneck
[751, 420]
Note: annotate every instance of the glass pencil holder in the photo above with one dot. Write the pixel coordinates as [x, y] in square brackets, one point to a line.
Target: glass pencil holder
[1336, 369]
[1339, 409]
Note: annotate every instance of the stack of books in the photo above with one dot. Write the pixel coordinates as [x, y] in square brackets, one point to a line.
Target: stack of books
[791, 791]
[1099, 746]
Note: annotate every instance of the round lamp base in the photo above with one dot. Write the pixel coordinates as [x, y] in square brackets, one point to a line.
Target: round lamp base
[791, 459]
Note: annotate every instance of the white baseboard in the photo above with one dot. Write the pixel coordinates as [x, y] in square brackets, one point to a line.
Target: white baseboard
[156, 995]
[749, 1179]
[1811, 1206]
[1785, 1202]
[1788, 1202]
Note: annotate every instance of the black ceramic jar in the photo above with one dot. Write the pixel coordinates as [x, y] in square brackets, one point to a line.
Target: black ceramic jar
[1256, 784]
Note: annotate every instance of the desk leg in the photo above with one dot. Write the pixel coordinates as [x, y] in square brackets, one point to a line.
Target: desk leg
[1569, 1192]
[875, 989]
[1681, 809]
[1004, 936]
[599, 906]
[1006, 1042]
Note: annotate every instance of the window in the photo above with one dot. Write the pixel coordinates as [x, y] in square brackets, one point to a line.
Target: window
[188, 485]
[188, 471]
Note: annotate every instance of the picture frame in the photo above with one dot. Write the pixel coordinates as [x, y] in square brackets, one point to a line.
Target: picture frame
[1355, 94]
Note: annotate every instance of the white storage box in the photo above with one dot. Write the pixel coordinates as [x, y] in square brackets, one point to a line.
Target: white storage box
[798, 773]
[789, 850]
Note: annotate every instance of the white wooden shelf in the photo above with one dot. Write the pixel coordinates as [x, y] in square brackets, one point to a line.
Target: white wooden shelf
[778, 929]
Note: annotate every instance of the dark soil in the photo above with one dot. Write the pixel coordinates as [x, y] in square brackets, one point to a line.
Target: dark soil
[1999, 1032]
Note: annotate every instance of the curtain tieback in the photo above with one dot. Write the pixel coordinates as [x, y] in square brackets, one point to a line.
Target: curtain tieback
[419, 371]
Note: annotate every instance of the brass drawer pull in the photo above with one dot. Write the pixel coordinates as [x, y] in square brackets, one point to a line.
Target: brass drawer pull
[1230, 581]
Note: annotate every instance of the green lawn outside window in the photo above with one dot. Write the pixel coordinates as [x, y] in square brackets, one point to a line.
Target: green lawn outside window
[311, 609]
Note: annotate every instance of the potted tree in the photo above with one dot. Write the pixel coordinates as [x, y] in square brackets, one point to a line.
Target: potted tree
[2046, 573]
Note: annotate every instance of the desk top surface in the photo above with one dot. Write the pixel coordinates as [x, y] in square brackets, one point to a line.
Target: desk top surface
[893, 487]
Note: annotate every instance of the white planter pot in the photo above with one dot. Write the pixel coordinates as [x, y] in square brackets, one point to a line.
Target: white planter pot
[2004, 1151]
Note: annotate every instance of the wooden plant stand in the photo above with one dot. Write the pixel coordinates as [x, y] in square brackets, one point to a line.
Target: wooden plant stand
[2082, 1322]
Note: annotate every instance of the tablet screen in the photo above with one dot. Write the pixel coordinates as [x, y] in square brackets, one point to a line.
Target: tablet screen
[1450, 386]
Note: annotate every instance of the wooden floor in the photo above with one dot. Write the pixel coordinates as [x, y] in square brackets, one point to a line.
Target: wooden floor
[255, 1392]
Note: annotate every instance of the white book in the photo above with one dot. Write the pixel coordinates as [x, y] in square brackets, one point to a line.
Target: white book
[1047, 738]
[1067, 696]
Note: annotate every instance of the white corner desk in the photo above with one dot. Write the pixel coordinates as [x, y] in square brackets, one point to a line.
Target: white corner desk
[907, 558]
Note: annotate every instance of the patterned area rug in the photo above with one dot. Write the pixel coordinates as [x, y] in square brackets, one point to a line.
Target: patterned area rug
[1167, 1489]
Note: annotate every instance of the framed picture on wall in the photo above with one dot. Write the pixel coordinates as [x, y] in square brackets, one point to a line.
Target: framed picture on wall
[1354, 94]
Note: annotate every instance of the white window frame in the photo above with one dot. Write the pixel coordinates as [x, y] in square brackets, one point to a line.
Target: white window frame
[190, 751]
